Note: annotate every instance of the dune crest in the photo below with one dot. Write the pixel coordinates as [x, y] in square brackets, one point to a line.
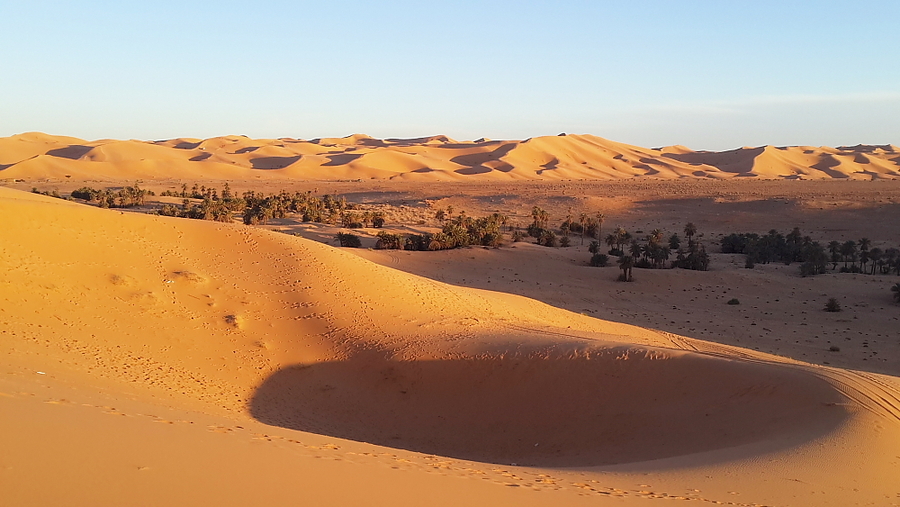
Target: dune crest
[431, 158]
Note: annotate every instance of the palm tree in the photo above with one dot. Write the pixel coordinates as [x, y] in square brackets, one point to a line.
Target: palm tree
[635, 249]
[689, 230]
[611, 240]
[834, 248]
[626, 264]
[674, 242]
[622, 237]
[540, 217]
[582, 219]
[864, 252]
[663, 255]
[619, 232]
[848, 251]
[891, 256]
[600, 218]
[875, 255]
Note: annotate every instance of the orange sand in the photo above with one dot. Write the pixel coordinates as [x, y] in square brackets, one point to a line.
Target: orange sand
[148, 360]
[436, 158]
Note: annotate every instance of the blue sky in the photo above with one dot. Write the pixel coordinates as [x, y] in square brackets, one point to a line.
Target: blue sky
[706, 74]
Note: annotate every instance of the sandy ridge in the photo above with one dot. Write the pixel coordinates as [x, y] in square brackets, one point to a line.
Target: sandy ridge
[231, 321]
[434, 158]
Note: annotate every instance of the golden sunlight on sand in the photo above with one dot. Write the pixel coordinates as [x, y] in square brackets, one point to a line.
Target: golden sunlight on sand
[435, 158]
[147, 360]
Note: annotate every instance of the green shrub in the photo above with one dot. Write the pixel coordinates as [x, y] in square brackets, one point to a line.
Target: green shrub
[599, 260]
[348, 240]
[388, 241]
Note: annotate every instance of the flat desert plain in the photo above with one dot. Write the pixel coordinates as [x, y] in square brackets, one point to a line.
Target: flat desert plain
[156, 360]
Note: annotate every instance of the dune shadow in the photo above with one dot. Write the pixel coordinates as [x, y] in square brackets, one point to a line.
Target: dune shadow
[471, 171]
[825, 164]
[549, 166]
[345, 158]
[475, 144]
[201, 157]
[867, 148]
[414, 141]
[739, 161]
[477, 159]
[273, 162]
[648, 171]
[73, 152]
[610, 407]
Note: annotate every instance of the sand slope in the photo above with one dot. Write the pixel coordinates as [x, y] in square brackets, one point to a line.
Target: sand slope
[435, 158]
[231, 327]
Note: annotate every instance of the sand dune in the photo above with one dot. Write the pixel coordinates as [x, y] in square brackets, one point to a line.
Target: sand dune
[434, 158]
[318, 350]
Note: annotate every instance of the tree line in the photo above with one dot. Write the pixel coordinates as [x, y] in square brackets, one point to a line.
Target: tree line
[456, 232]
[127, 197]
[258, 208]
[814, 258]
[653, 251]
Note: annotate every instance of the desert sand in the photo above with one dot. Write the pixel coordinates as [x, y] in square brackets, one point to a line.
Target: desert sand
[435, 158]
[149, 360]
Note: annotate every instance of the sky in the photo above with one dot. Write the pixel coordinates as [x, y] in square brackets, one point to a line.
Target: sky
[705, 74]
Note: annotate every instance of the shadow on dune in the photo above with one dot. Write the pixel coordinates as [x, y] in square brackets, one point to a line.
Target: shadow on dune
[73, 152]
[825, 164]
[477, 159]
[613, 407]
[739, 161]
[201, 157]
[336, 160]
[549, 166]
[867, 148]
[273, 162]
[471, 171]
[186, 145]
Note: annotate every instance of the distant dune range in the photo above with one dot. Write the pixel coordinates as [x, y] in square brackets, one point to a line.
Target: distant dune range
[435, 158]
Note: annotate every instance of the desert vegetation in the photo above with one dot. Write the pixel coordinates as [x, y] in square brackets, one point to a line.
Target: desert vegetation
[348, 240]
[258, 208]
[208, 209]
[814, 258]
[655, 251]
[127, 197]
[459, 231]
[832, 305]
